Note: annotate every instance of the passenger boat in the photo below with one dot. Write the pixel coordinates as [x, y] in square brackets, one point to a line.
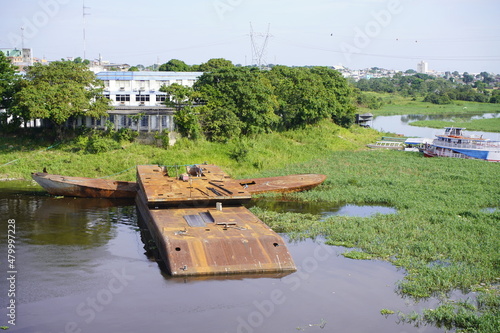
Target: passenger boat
[200, 227]
[101, 188]
[453, 143]
[394, 145]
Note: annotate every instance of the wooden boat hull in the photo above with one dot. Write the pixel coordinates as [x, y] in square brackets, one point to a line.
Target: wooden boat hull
[281, 184]
[85, 187]
[101, 188]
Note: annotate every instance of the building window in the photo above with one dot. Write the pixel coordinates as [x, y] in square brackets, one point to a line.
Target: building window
[144, 121]
[161, 98]
[142, 98]
[123, 98]
[124, 121]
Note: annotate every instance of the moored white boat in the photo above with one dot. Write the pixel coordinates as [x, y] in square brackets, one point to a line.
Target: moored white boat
[453, 143]
[387, 145]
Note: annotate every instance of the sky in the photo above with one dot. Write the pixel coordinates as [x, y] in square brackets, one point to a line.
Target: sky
[450, 35]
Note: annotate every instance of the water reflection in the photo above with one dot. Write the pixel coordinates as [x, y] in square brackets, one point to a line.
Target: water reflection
[82, 262]
[402, 124]
[320, 208]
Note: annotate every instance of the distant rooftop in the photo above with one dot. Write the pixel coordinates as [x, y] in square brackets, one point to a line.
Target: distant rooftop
[147, 76]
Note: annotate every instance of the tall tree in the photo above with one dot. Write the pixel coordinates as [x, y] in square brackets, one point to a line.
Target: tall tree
[175, 65]
[214, 64]
[244, 92]
[8, 84]
[58, 91]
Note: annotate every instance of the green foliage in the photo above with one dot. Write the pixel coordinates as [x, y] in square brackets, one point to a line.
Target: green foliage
[58, 91]
[239, 150]
[250, 101]
[125, 134]
[486, 125]
[436, 90]
[186, 121]
[178, 95]
[436, 98]
[219, 124]
[357, 255]
[214, 64]
[369, 101]
[175, 65]
[97, 144]
[164, 138]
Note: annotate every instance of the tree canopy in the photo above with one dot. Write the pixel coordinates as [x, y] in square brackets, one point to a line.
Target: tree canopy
[58, 91]
[175, 65]
[249, 101]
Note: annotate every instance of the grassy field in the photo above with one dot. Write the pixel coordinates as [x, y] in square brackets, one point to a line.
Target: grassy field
[445, 233]
[398, 105]
[485, 125]
[22, 155]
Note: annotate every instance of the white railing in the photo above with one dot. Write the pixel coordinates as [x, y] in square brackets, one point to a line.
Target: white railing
[485, 145]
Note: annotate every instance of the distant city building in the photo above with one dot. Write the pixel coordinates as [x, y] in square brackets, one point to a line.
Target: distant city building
[133, 93]
[423, 67]
[19, 57]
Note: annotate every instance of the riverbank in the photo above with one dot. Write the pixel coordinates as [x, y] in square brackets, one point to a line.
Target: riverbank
[484, 125]
[399, 105]
[20, 155]
[444, 235]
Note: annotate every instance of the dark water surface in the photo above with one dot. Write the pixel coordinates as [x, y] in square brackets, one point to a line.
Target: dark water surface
[81, 267]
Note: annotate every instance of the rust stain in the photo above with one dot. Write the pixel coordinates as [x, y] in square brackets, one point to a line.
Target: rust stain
[197, 236]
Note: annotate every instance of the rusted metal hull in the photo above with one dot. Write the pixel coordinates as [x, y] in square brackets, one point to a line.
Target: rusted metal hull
[211, 185]
[85, 187]
[106, 188]
[281, 184]
[201, 234]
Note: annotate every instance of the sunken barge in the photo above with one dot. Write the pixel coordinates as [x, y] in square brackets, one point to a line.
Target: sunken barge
[200, 226]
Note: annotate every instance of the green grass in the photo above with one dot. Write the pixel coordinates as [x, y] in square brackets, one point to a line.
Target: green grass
[398, 105]
[486, 125]
[442, 236]
[265, 152]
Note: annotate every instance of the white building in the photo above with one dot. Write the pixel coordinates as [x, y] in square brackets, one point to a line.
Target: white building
[423, 67]
[133, 93]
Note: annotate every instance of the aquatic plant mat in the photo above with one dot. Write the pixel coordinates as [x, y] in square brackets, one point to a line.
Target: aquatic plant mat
[442, 235]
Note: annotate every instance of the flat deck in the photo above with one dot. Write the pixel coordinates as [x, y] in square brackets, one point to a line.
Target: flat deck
[208, 184]
[206, 241]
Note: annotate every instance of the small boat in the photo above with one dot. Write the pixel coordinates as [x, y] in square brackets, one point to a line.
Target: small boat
[281, 184]
[101, 188]
[453, 143]
[85, 187]
[387, 145]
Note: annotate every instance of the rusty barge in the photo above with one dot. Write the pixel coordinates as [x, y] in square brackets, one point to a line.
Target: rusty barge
[200, 226]
[84, 187]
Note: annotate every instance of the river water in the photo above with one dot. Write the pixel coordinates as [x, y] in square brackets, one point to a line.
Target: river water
[402, 124]
[82, 265]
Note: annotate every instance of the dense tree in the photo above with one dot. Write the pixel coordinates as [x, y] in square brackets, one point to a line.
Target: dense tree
[214, 64]
[58, 91]
[467, 78]
[175, 65]
[244, 92]
[9, 80]
[178, 95]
